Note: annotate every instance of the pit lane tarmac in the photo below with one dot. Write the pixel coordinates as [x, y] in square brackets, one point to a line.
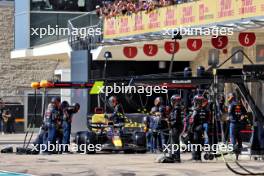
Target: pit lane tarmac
[112, 164]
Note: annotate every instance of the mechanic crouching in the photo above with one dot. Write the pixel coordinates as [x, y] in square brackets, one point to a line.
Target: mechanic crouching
[176, 125]
[67, 113]
[196, 128]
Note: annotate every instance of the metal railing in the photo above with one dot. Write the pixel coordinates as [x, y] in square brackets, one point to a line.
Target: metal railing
[80, 40]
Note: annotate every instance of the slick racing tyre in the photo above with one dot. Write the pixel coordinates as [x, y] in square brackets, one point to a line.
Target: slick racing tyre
[140, 141]
[83, 139]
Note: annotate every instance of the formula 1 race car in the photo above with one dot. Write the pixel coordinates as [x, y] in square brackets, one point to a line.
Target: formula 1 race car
[128, 137]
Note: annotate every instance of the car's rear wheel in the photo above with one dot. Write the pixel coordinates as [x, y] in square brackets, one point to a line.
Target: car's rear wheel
[83, 139]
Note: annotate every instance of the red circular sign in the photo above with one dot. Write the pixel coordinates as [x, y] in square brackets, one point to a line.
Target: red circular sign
[172, 47]
[247, 39]
[150, 49]
[130, 51]
[194, 44]
[220, 42]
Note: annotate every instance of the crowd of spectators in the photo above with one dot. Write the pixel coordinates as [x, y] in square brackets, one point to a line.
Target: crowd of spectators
[112, 8]
[104, 8]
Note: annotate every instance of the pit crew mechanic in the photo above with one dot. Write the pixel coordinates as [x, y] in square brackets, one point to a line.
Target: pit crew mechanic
[236, 114]
[196, 127]
[118, 112]
[58, 115]
[176, 124]
[67, 113]
[161, 136]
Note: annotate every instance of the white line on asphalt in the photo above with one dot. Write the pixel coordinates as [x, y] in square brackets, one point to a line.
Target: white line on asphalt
[13, 173]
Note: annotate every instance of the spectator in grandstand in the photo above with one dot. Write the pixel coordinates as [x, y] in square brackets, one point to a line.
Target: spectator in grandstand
[127, 7]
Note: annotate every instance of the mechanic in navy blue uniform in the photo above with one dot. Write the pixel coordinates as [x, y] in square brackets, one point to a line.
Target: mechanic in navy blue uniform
[197, 121]
[68, 113]
[235, 114]
[118, 112]
[53, 115]
[161, 136]
[151, 127]
[176, 124]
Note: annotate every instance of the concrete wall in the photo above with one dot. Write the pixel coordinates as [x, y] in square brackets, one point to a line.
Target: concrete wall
[16, 75]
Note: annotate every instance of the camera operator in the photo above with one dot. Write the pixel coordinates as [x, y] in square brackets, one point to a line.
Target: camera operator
[68, 112]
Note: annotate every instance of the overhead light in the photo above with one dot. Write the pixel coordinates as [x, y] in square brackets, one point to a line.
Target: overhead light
[123, 39]
[227, 25]
[108, 41]
[107, 55]
[248, 25]
[258, 22]
[141, 37]
[154, 35]
[239, 29]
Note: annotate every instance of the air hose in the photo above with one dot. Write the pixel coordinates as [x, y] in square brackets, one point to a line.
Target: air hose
[248, 172]
[31, 124]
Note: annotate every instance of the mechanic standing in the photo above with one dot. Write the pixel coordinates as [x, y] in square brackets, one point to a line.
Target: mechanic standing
[196, 128]
[161, 136]
[43, 131]
[52, 115]
[67, 120]
[151, 127]
[176, 125]
[235, 116]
